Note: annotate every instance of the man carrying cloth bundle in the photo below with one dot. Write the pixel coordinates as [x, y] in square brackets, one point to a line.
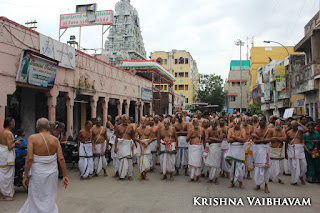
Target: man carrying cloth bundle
[167, 145]
[144, 136]
[277, 152]
[154, 143]
[196, 138]
[213, 159]
[85, 151]
[236, 138]
[182, 154]
[124, 147]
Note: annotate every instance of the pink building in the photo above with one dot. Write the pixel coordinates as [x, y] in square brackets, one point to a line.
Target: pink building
[94, 88]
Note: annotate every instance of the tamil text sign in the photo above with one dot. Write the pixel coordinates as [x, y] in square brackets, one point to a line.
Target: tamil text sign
[81, 19]
[280, 78]
[267, 92]
[36, 70]
[58, 51]
[146, 94]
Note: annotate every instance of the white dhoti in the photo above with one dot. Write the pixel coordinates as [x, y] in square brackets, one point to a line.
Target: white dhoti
[297, 160]
[100, 161]
[225, 166]
[261, 154]
[236, 154]
[43, 184]
[7, 159]
[248, 162]
[125, 154]
[276, 163]
[144, 158]
[114, 155]
[213, 160]
[153, 158]
[85, 159]
[167, 156]
[195, 160]
[182, 153]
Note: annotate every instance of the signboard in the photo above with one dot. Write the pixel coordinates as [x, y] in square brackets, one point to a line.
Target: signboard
[36, 70]
[299, 103]
[104, 17]
[58, 51]
[146, 94]
[280, 104]
[280, 78]
[267, 92]
[265, 107]
[230, 110]
[256, 92]
[288, 113]
[283, 95]
[225, 108]
[272, 106]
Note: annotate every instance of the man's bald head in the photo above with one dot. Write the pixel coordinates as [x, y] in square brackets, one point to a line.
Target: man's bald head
[42, 124]
[294, 125]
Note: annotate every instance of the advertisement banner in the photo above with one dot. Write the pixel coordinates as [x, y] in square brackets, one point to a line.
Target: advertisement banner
[146, 94]
[36, 70]
[104, 17]
[230, 110]
[265, 107]
[58, 51]
[280, 72]
[267, 92]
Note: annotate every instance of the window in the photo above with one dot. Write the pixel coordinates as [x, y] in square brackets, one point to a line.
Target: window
[158, 86]
[175, 87]
[176, 61]
[181, 87]
[159, 60]
[176, 74]
[186, 74]
[181, 74]
[232, 98]
[165, 61]
[186, 60]
[187, 100]
[181, 60]
[245, 83]
[165, 87]
[186, 87]
[161, 87]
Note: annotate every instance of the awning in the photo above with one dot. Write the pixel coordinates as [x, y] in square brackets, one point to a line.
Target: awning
[232, 94]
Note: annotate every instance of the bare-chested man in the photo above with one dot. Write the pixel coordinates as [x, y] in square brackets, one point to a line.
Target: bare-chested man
[225, 167]
[277, 152]
[109, 124]
[7, 159]
[213, 158]
[100, 145]
[85, 151]
[182, 154]
[123, 147]
[255, 121]
[114, 156]
[296, 155]
[205, 126]
[143, 137]
[248, 145]
[196, 138]
[236, 137]
[154, 143]
[261, 153]
[272, 121]
[41, 170]
[167, 149]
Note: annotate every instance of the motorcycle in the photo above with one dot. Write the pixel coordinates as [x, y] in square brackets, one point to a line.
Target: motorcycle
[70, 152]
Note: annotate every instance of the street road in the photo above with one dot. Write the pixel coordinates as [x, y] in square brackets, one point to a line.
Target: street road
[105, 194]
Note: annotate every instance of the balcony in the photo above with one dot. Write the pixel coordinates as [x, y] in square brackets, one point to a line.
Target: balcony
[305, 76]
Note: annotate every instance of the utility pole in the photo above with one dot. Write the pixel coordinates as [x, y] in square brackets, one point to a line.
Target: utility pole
[32, 23]
[240, 43]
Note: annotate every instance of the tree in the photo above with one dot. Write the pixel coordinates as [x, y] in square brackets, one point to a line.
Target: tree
[255, 109]
[211, 90]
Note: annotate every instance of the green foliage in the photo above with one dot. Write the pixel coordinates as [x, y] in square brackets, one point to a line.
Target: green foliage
[211, 90]
[255, 109]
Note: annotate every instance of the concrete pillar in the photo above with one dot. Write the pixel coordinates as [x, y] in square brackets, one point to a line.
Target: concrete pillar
[136, 108]
[119, 105]
[126, 107]
[105, 102]
[7, 86]
[52, 102]
[93, 104]
[150, 109]
[3, 104]
[70, 96]
[141, 109]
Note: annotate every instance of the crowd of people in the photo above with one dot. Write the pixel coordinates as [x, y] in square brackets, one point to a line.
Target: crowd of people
[213, 146]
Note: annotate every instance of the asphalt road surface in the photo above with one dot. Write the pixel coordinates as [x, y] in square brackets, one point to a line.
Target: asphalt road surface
[106, 194]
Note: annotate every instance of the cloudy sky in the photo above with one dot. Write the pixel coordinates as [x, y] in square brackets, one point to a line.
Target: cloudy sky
[205, 28]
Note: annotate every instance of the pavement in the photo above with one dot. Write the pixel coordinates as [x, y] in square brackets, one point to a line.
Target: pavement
[106, 194]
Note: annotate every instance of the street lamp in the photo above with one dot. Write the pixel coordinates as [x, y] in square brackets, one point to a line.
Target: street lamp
[240, 43]
[268, 42]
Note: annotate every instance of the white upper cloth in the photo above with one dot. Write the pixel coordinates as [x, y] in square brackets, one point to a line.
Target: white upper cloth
[236, 152]
[261, 155]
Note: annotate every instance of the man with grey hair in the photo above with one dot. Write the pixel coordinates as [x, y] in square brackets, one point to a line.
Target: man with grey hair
[41, 170]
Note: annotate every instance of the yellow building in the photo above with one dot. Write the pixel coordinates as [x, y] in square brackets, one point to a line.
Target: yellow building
[262, 55]
[184, 68]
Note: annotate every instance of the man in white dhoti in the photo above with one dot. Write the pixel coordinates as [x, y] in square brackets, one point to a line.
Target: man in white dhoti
[85, 151]
[236, 138]
[261, 153]
[100, 146]
[112, 141]
[41, 171]
[296, 155]
[124, 147]
[182, 153]
[277, 152]
[196, 138]
[248, 146]
[225, 167]
[154, 143]
[7, 159]
[205, 169]
[143, 137]
[167, 144]
[213, 158]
